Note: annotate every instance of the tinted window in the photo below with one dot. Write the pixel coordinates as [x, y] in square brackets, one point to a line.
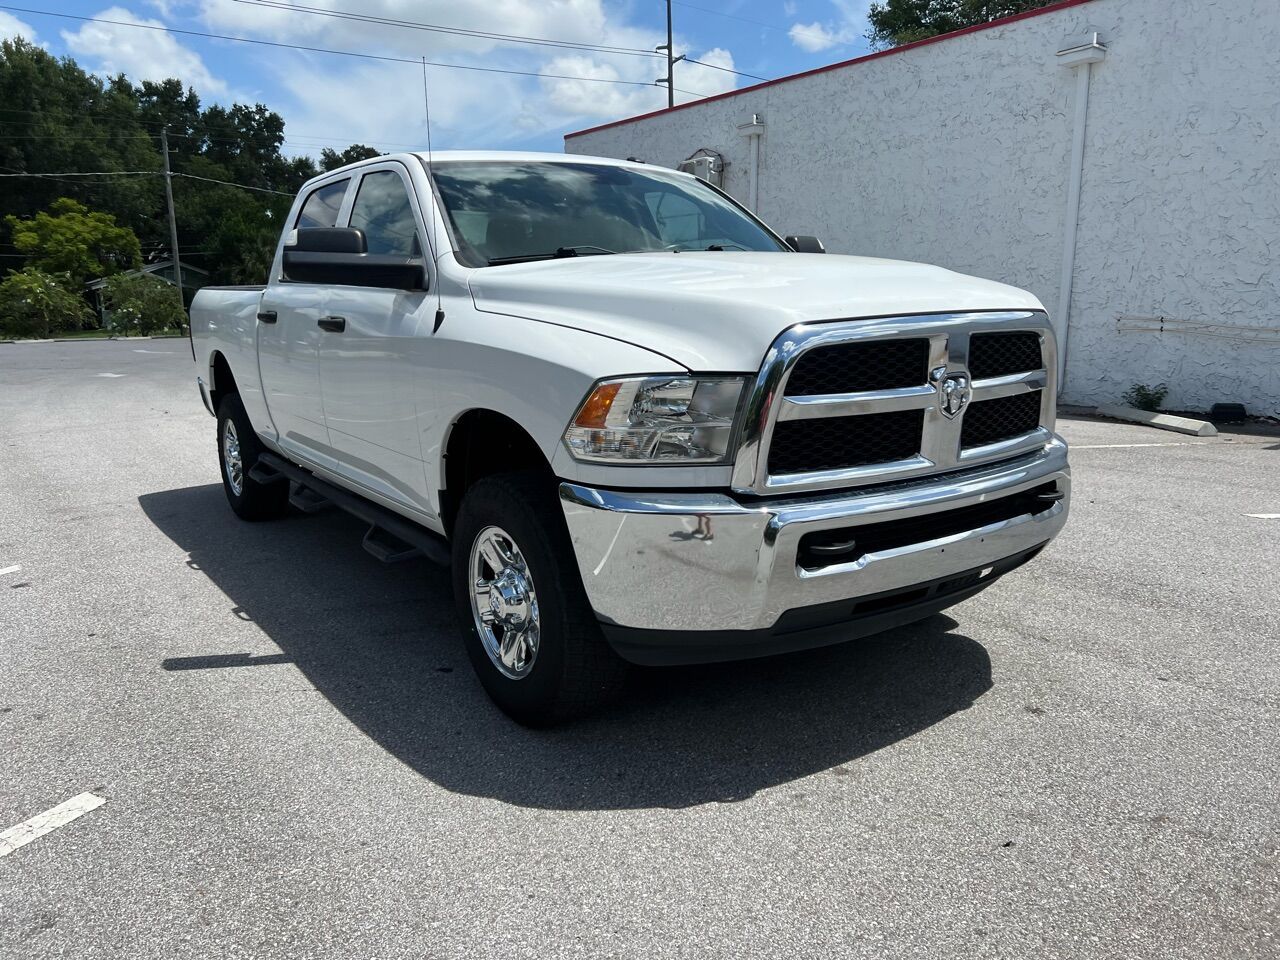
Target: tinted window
[382, 210]
[321, 208]
[503, 211]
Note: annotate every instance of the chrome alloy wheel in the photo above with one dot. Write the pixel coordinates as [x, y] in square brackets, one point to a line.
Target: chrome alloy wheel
[231, 459]
[504, 605]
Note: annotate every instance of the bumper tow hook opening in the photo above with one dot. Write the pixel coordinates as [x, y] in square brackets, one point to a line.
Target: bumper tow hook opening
[837, 548]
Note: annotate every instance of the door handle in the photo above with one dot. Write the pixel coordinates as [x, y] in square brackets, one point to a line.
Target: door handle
[333, 324]
[266, 316]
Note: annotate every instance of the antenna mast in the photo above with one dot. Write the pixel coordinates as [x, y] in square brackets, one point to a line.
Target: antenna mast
[431, 199]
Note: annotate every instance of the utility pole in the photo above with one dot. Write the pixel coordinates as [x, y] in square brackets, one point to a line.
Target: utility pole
[672, 60]
[173, 221]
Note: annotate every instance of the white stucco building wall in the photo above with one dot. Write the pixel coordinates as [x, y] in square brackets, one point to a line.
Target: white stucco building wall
[958, 152]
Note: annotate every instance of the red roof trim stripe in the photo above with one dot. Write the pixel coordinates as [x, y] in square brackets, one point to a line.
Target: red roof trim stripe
[976, 28]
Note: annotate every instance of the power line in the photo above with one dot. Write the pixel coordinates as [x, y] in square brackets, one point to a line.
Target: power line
[65, 136]
[339, 53]
[228, 183]
[99, 173]
[730, 16]
[713, 66]
[453, 31]
[143, 173]
[73, 137]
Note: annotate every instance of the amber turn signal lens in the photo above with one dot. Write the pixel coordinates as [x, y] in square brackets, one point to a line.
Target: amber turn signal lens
[596, 409]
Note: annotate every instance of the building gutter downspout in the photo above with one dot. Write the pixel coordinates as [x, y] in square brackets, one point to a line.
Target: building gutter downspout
[754, 128]
[1081, 59]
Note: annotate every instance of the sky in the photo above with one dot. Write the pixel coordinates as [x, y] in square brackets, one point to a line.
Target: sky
[332, 100]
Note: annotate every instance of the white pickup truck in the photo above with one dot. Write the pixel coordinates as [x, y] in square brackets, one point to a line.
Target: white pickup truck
[638, 424]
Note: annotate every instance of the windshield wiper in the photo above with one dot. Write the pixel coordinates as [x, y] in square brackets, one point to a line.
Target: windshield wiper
[581, 250]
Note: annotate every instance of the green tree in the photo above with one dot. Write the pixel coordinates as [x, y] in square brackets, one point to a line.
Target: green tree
[36, 304]
[142, 304]
[56, 118]
[332, 159]
[70, 239]
[895, 22]
[167, 104]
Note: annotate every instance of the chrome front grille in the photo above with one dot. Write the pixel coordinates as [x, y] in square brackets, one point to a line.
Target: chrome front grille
[1001, 418]
[848, 403]
[1000, 354]
[857, 367]
[834, 443]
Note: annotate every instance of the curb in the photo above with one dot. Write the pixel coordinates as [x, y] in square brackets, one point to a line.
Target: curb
[162, 336]
[1162, 421]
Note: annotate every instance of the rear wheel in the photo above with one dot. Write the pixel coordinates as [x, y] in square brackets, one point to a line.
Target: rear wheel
[530, 633]
[238, 451]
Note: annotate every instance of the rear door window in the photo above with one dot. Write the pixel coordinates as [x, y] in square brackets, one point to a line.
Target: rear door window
[385, 214]
[322, 206]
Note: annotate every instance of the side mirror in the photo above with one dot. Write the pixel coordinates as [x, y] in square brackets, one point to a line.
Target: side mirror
[805, 244]
[338, 255]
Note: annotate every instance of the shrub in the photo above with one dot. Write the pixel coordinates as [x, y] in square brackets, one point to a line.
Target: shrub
[142, 304]
[1146, 398]
[37, 304]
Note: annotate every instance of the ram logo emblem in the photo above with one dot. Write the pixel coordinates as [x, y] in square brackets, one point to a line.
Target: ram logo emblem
[954, 391]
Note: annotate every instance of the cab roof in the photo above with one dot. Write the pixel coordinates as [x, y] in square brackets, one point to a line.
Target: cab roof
[477, 156]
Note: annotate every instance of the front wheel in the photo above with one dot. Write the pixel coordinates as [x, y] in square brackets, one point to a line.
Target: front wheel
[530, 633]
[238, 451]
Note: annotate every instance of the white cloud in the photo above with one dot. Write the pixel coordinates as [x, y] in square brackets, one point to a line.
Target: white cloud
[381, 103]
[813, 37]
[11, 26]
[598, 100]
[141, 54]
[849, 26]
[581, 21]
[694, 81]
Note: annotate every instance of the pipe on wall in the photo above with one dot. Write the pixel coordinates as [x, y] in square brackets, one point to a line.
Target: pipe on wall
[1081, 59]
[754, 128]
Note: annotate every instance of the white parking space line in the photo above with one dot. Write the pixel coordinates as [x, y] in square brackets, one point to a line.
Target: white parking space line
[8, 570]
[612, 543]
[39, 825]
[1117, 446]
[112, 374]
[1264, 516]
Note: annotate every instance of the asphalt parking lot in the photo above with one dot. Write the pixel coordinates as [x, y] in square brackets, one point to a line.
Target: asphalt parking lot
[1084, 761]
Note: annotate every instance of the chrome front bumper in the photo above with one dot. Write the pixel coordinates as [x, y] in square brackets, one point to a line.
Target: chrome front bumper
[690, 562]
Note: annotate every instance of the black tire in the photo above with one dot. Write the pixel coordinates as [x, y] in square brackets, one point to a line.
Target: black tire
[254, 501]
[574, 671]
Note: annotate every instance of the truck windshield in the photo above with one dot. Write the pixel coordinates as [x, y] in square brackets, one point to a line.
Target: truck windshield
[509, 212]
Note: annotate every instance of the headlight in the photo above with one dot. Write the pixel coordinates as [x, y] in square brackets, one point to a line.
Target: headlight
[666, 420]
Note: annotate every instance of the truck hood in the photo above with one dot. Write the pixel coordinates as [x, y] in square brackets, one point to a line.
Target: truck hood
[720, 311]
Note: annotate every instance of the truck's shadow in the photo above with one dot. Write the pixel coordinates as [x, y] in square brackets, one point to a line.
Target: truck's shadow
[380, 643]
